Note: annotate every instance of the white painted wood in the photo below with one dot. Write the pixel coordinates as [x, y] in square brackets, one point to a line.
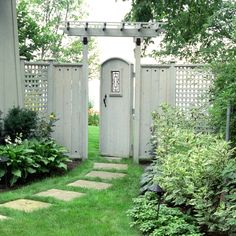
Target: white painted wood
[136, 129]
[77, 146]
[67, 102]
[113, 29]
[156, 89]
[10, 83]
[115, 123]
[84, 102]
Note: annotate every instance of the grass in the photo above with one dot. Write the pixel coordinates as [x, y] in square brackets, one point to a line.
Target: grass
[99, 213]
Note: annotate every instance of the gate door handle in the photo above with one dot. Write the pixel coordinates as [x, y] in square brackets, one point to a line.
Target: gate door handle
[104, 100]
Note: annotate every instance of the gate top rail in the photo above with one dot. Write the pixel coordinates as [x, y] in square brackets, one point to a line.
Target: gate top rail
[113, 29]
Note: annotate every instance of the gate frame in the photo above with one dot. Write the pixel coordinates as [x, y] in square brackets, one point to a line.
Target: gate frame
[136, 30]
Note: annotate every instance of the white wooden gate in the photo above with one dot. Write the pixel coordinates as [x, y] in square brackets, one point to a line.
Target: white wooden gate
[116, 108]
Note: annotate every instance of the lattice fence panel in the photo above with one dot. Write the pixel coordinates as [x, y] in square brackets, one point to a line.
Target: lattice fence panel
[192, 92]
[192, 86]
[36, 86]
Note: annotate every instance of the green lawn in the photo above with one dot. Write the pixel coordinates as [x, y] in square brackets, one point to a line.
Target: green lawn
[100, 213]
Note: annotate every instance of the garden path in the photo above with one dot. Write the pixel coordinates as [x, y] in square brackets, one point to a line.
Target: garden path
[103, 171]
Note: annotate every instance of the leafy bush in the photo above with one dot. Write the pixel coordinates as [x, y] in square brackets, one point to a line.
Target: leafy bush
[191, 166]
[20, 121]
[44, 127]
[170, 221]
[93, 116]
[224, 93]
[32, 157]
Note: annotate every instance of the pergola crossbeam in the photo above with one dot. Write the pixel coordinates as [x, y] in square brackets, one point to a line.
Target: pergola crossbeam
[113, 29]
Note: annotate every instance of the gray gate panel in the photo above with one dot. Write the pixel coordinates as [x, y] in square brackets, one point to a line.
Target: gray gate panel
[116, 108]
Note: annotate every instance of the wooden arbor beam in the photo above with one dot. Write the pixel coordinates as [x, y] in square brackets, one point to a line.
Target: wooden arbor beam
[113, 29]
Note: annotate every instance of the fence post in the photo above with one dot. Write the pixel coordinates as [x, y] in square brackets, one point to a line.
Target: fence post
[172, 96]
[84, 90]
[136, 141]
[22, 76]
[50, 96]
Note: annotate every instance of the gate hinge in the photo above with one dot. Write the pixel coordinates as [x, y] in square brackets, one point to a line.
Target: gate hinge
[133, 111]
[133, 74]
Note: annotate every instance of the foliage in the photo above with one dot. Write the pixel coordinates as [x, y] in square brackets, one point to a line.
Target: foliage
[32, 157]
[1, 128]
[227, 213]
[44, 128]
[224, 94]
[147, 178]
[20, 121]
[191, 166]
[40, 36]
[30, 33]
[93, 116]
[49, 16]
[203, 31]
[170, 221]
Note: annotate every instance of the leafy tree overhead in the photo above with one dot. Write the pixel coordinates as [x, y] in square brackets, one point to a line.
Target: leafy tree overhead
[29, 32]
[40, 37]
[201, 31]
[197, 30]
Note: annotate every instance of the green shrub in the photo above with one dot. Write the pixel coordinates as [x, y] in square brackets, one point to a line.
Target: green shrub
[20, 121]
[223, 93]
[191, 166]
[170, 221]
[44, 126]
[32, 157]
[51, 155]
[93, 116]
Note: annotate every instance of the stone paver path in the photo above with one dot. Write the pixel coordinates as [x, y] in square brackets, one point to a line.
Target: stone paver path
[109, 166]
[105, 175]
[60, 194]
[90, 184]
[113, 158]
[31, 205]
[25, 205]
[3, 217]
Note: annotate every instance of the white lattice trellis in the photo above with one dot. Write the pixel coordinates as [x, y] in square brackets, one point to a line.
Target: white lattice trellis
[36, 86]
[192, 86]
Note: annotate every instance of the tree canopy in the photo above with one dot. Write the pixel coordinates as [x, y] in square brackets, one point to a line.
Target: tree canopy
[201, 30]
[39, 23]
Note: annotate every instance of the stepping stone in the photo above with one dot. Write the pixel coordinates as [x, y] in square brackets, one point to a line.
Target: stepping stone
[109, 166]
[113, 158]
[105, 175]
[26, 205]
[60, 194]
[3, 217]
[90, 184]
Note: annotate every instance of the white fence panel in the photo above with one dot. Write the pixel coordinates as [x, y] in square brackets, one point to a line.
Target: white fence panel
[183, 86]
[56, 88]
[157, 87]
